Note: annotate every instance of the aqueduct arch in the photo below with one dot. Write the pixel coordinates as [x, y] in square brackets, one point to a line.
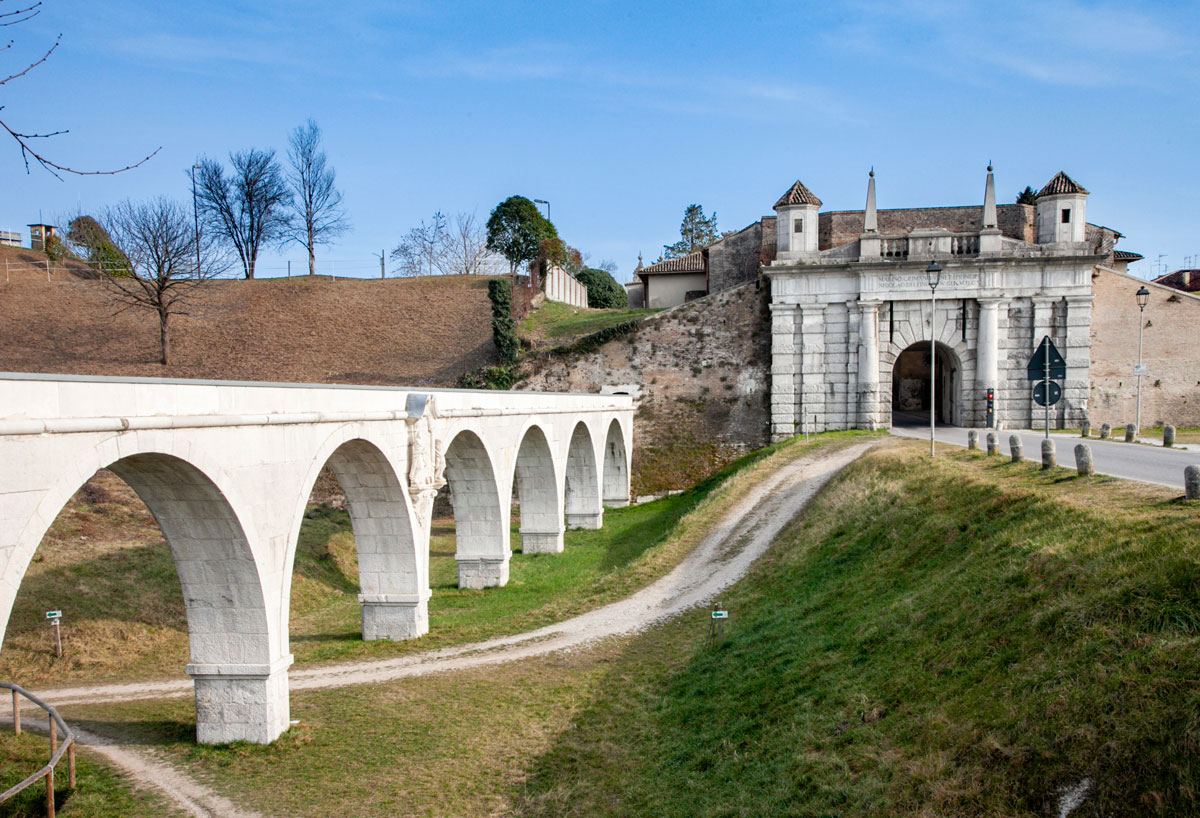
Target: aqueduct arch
[616, 467]
[227, 468]
[481, 531]
[393, 578]
[537, 489]
[582, 485]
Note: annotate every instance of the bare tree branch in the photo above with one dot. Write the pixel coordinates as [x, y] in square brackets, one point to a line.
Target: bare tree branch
[12, 18]
[249, 207]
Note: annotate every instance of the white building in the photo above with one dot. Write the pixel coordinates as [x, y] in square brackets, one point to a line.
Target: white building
[851, 317]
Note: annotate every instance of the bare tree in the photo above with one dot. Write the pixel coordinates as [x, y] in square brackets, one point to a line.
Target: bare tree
[25, 140]
[467, 250]
[423, 250]
[249, 207]
[443, 247]
[157, 271]
[318, 217]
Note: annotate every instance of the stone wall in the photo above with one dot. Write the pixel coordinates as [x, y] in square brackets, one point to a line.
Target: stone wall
[735, 258]
[1171, 390]
[700, 377]
[844, 226]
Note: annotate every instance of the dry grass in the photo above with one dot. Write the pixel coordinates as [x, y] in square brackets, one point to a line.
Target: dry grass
[395, 331]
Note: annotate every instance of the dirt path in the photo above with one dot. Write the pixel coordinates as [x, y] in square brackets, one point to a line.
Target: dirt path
[721, 558]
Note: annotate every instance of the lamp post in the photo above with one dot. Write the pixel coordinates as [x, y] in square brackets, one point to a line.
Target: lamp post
[196, 217]
[1143, 297]
[547, 204]
[933, 274]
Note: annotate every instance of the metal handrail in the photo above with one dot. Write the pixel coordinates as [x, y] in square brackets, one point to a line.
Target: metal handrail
[56, 752]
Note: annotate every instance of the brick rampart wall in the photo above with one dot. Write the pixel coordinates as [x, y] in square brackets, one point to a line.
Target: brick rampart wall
[1171, 390]
[844, 226]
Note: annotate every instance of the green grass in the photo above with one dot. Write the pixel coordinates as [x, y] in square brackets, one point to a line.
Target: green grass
[959, 637]
[962, 637]
[559, 323]
[99, 791]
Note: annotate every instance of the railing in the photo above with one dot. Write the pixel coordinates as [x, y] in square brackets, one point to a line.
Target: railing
[894, 248]
[964, 245]
[56, 750]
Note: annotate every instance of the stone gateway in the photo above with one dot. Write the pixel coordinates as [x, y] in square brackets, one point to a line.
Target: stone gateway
[851, 320]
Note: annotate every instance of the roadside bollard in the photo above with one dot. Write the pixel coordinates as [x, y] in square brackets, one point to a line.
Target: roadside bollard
[1130, 433]
[1015, 448]
[993, 444]
[1168, 436]
[972, 440]
[1083, 460]
[1085, 429]
[1048, 459]
[1105, 431]
[1191, 482]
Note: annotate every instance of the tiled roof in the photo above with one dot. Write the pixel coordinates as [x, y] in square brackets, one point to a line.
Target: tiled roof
[1125, 255]
[1061, 183]
[798, 194]
[691, 263]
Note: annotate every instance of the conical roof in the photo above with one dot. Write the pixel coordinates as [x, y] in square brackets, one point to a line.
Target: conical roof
[798, 194]
[1061, 183]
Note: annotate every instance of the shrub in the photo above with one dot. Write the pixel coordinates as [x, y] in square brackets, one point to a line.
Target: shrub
[603, 290]
[504, 329]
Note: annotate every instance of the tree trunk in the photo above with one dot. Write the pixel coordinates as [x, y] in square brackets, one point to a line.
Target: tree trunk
[164, 335]
[312, 256]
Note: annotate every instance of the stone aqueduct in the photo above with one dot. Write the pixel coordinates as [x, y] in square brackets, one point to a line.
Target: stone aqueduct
[227, 470]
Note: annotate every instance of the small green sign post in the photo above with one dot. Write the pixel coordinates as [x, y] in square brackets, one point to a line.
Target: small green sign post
[716, 625]
[55, 617]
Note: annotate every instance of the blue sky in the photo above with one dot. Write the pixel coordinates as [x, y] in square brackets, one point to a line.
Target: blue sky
[621, 114]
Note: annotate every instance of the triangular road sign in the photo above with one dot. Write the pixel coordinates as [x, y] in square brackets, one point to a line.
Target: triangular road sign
[1037, 364]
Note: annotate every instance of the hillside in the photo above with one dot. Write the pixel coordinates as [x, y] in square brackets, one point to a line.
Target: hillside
[423, 331]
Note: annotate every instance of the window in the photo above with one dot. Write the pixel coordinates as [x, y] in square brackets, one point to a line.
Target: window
[798, 225]
[1066, 215]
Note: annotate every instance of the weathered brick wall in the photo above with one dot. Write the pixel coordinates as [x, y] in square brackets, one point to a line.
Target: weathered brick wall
[735, 258]
[844, 226]
[701, 373]
[1171, 390]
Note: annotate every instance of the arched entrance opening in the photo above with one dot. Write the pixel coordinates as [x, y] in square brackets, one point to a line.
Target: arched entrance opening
[538, 501]
[910, 386]
[582, 488]
[481, 530]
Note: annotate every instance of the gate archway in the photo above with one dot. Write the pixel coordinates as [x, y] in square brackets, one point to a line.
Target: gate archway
[910, 386]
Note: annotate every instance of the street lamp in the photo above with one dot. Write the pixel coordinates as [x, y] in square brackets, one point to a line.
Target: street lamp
[547, 204]
[933, 274]
[1143, 298]
[196, 216]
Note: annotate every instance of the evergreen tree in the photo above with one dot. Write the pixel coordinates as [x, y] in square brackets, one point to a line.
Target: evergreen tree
[1027, 196]
[696, 231]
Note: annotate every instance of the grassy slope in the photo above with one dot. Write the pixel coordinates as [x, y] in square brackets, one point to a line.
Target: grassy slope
[99, 791]
[959, 638]
[554, 323]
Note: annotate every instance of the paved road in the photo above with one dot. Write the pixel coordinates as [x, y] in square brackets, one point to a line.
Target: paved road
[1132, 461]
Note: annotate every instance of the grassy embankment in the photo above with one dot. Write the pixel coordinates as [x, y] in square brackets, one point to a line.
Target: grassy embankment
[965, 636]
[557, 324]
[104, 563]
[99, 792]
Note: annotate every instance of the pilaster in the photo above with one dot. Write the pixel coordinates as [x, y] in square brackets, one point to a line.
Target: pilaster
[987, 357]
[783, 371]
[1078, 354]
[868, 364]
[813, 366]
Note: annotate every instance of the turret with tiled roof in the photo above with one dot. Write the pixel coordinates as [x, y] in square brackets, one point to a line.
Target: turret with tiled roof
[1060, 184]
[796, 221]
[798, 194]
[1062, 211]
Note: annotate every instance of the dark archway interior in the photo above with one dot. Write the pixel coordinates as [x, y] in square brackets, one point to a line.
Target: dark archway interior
[910, 387]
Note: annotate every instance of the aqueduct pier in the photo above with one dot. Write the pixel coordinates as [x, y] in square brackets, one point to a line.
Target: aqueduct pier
[227, 469]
